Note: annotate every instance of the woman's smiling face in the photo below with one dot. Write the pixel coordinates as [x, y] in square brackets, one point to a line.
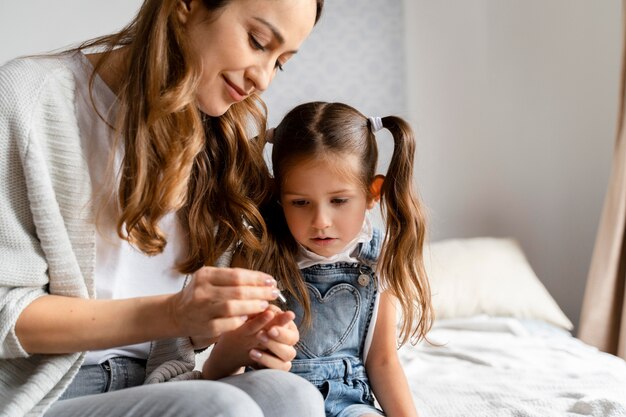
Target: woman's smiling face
[241, 46]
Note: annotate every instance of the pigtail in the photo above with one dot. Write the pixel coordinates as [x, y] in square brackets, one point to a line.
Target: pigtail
[401, 262]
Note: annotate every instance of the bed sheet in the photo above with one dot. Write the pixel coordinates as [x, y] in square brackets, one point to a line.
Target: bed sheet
[486, 366]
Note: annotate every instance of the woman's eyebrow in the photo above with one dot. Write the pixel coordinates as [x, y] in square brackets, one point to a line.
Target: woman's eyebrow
[271, 27]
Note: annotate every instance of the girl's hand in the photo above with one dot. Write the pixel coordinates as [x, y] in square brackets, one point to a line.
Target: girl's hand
[277, 340]
[219, 300]
[270, 334]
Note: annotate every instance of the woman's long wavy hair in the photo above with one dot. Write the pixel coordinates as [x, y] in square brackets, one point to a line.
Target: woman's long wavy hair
[176, 159]
[321, 130]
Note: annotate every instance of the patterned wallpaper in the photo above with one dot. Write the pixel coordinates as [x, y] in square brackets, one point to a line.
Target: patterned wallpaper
[355, 54]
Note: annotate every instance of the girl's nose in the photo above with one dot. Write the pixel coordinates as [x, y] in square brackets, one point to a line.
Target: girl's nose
[321, 219]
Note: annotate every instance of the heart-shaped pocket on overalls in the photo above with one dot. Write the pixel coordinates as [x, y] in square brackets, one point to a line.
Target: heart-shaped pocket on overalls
[333, 318]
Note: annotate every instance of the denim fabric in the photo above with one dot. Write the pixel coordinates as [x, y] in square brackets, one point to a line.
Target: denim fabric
[253, 394]
[194, 398]
[330, 351]
[111, 375]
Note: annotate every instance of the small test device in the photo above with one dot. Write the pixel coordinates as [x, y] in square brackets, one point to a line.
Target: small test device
[281, 297]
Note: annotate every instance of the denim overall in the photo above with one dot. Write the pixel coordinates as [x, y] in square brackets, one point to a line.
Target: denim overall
[330, 351]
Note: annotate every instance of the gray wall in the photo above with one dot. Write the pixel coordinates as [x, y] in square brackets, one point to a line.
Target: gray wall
[35, 26]
[515, 102]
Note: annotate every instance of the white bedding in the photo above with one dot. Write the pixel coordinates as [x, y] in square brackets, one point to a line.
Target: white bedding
[507, 367]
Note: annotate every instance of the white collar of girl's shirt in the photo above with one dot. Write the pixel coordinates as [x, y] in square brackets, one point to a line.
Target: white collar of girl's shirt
[306, 258]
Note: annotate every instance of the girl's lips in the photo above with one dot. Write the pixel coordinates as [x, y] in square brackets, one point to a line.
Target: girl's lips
[323, 241]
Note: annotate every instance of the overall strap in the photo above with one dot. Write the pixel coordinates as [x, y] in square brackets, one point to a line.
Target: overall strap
[369, 252]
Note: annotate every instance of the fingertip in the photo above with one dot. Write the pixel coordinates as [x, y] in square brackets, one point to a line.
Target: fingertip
[261, 336]
[268, 280]
[275, 309]
[274, 332]
[285, 317]
[268, 314]
[261, 319]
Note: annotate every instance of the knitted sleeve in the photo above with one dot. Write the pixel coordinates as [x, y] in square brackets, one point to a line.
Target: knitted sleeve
[23, 268]
[46, 243]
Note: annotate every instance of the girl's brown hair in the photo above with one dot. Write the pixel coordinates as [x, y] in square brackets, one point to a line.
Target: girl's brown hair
[175, 158]
[319, 130]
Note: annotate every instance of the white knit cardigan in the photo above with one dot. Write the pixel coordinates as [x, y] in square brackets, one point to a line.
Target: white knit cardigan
[47, 232]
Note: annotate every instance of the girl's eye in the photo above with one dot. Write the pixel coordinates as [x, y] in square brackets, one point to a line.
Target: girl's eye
[279, 66]
[339, 201]
[299, 203]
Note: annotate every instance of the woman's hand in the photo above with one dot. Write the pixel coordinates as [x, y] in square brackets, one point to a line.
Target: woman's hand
[219, 300]
[265, 340]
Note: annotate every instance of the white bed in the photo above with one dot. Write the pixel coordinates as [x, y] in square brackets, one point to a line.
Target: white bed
[501, 345]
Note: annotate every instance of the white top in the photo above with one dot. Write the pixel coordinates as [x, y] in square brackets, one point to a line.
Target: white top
[306, 258]
[122, 271]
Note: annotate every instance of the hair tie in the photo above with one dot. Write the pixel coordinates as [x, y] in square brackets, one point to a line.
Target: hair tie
[376, 123]
[269, 135]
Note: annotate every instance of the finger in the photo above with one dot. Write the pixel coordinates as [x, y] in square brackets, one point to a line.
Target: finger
[236, 308]
[217, 327]
[235, 277]
[282, 351]
[268, 311]
[275, 309]
[211, 293]
[285, 335]
[283, 318]
[267, 360]
[256, 323]
[244, 293]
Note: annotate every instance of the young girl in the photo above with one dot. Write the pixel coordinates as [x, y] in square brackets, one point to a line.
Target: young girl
[342, 277]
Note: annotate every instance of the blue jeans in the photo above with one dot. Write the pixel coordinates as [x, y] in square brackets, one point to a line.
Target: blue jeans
[343, 383]
[112, 375]
[114, 389]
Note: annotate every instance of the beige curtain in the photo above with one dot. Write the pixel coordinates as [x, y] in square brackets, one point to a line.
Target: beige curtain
[603, 316]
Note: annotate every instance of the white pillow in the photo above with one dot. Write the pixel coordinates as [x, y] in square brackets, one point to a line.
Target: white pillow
[487, 276]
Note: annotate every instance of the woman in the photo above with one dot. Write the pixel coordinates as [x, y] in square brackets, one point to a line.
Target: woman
[126, 172]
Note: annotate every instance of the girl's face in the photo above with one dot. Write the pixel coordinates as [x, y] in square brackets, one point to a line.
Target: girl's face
[242, 45]
[324, 206]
